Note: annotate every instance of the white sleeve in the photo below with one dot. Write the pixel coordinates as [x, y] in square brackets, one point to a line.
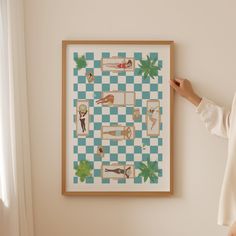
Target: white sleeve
[216, 118]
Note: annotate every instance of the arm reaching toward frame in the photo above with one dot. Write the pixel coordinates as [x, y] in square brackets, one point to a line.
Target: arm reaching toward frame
[184, 88]
[216, 118]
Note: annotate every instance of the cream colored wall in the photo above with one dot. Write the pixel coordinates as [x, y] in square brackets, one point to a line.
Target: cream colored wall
[205, 35]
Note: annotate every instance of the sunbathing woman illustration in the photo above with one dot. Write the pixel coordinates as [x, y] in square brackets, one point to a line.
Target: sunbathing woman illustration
[119, 171]
[123, 65]
[126, 133]
[82, 113]
[150, 114]
[107, 100]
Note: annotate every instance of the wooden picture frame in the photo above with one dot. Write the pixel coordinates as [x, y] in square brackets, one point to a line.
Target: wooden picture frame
[71, 51]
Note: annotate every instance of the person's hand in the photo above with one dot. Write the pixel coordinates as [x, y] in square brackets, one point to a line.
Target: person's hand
[232, 230]
[184, 88]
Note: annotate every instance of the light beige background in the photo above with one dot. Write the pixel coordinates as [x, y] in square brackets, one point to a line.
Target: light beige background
[205, 35]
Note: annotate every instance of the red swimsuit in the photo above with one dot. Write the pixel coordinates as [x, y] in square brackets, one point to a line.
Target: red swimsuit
[122, 65]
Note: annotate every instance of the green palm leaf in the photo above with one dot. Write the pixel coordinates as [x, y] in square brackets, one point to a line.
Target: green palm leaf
[145, 74]
[83, 170]
[154, 61]
[149, 170]
[80, 62]
[142, 166]
[149, 67]
[145, 178]
[153, 179]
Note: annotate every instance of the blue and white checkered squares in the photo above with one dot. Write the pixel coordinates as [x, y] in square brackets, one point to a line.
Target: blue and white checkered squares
[129, 152]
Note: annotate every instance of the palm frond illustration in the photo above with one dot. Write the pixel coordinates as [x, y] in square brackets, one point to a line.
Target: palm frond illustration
[149, 67]
[80, 62]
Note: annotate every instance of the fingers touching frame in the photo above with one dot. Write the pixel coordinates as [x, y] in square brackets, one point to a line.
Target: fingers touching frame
[174, 85]
[177, 83]
[179, 80]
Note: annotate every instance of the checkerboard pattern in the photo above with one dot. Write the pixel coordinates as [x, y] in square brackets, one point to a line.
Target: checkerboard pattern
[123, 152]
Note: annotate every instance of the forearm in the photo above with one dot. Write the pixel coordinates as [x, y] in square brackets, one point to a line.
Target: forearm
[194, 99]
[216, 118]
[184, 88]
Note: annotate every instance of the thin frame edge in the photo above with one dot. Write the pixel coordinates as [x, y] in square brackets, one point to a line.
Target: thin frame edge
[64, 191]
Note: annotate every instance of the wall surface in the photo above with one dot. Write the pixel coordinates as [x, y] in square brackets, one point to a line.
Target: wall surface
[205, 36]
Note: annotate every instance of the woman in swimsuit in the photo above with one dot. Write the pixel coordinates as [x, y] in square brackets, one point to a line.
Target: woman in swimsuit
[123, 65]
[126, 133]
[125, 172]
[151, 118]
[109, 100]
[82, 113]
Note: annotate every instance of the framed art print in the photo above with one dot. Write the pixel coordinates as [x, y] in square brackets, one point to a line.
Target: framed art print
[117, 109]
